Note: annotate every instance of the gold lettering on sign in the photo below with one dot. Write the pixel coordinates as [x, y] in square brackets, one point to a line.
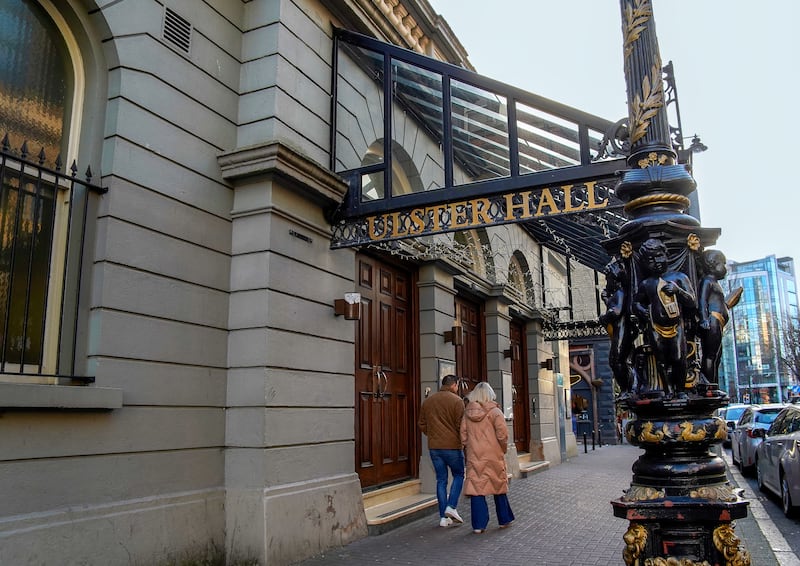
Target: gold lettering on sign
[417, 218]
[524, 207]
[459, 214]
[434, 213]
[568, 200]
[546, 200]
[591, 197]
[372, 231]
[397, 225]
[519, 206]
[480, 214]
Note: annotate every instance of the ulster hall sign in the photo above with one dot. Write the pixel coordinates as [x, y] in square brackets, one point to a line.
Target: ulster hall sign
[517, 206]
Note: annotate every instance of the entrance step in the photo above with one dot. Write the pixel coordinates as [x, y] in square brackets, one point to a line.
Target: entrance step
[390, 507]
[529, 466]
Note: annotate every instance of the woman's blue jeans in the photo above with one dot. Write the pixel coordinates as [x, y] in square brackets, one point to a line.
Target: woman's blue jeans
[442, 460]
[480, 511]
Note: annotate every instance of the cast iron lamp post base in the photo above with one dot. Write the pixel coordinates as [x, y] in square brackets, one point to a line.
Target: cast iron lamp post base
[680, 505]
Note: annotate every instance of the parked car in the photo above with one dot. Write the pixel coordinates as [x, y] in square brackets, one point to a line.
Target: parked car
[731, 415]
[778, 458]
[744, 439]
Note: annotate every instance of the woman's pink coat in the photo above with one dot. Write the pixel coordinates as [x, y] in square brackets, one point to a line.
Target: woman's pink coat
[485, 438]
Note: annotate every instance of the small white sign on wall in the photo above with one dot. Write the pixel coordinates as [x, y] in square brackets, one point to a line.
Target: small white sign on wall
[508, 395]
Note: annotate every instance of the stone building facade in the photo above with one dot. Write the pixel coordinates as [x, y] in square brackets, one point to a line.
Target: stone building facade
[194, 387]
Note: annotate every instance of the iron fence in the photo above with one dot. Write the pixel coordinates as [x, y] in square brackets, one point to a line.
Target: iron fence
[43, 224]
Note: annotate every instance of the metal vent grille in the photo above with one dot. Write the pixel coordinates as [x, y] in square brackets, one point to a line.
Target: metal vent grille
[177, 30]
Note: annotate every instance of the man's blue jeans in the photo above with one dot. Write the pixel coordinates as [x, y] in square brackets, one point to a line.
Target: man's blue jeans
[442, 460]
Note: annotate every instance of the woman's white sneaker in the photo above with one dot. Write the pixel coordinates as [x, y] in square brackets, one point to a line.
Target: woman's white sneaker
[445, 522]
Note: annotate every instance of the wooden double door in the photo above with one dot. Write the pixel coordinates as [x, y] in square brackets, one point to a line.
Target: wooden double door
[519, 387]
[385, 374]
[470, 361]
[471, 364]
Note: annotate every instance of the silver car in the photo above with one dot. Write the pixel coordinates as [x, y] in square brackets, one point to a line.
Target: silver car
[744, 439]
[778, 458]
[731, 415]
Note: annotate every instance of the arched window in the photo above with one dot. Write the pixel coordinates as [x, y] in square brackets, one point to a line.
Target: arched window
[39, 234]
[36, 80]
[405, 178]
[519, 277]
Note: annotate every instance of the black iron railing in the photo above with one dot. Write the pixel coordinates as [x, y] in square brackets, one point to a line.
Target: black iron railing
[43, 222]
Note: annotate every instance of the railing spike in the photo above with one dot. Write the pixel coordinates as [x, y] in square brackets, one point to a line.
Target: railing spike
[6, 143]
[42, 156]
[24, 150]
[59, 163]
[74, 168]
[88, 173]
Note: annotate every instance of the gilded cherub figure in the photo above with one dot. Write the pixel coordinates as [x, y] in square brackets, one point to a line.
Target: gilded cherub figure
[713, 312]
[621, 330]
[662, 301]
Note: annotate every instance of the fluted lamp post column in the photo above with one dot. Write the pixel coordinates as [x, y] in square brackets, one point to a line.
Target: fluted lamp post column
[665, 314]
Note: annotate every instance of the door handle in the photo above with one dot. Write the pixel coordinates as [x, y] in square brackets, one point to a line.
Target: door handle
[385, 382]
[376, 381]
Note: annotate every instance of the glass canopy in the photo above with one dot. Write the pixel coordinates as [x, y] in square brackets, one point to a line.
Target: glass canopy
[450, 135]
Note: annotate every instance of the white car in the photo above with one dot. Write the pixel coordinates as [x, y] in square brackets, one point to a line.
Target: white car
[778, 458]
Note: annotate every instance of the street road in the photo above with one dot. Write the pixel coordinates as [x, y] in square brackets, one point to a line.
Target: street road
[766, 507]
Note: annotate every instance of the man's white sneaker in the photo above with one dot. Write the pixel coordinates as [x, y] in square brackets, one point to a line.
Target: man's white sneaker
[445, 522]
[453, 514]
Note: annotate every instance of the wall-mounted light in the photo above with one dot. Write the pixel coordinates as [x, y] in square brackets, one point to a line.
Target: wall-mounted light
[455, 335]
[512, 352]
[350, 306]
[547, 364]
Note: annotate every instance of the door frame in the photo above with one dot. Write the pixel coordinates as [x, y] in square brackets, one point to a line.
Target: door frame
[415, 444]
[459, 350]
[522, 363]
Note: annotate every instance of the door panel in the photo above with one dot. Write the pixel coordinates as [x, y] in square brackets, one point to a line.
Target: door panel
[385, 414]
[470, 363]
[519, 382]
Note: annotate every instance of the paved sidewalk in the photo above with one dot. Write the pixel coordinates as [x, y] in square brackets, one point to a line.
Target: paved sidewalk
[564, 518]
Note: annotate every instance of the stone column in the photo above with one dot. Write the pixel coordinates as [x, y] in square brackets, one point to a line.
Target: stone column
[542, 390]
[498, 332]
[436, 316]
[291, 489]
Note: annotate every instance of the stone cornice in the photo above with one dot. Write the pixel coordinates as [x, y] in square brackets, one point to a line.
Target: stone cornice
[412, 24]
[405, 24]
[279, 160]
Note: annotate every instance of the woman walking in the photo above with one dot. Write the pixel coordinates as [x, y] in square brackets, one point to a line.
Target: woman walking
[485, 439]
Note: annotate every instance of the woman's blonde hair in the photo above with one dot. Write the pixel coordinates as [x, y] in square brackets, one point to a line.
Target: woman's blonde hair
[483, 393]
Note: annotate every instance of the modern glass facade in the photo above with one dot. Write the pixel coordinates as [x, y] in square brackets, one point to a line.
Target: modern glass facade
[751, 369]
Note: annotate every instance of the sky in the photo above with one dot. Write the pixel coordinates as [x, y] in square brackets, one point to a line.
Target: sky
[737, 69]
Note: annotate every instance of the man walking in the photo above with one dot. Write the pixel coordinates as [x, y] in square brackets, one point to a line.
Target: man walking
[440, 420]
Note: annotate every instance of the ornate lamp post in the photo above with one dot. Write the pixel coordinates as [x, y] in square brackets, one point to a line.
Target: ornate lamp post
[666, 313]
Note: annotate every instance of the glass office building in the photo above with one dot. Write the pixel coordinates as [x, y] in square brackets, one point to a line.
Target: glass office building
[751, 370]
